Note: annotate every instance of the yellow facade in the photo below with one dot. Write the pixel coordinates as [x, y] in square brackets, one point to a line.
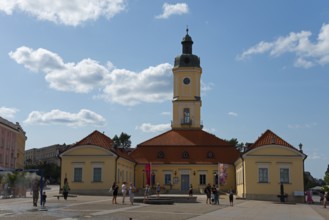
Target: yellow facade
[181, 176]
[274, 159]
[79, 165]
[187, 96]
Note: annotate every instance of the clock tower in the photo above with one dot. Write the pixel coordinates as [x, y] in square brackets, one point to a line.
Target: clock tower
[187, 100]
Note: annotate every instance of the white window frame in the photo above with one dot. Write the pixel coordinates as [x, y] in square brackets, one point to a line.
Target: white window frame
[101, 176]
[263, 166]
[96, 165]
[80, 166]
[281, 178]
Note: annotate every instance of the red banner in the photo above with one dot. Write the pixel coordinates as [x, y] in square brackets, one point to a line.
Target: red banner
[148, 173]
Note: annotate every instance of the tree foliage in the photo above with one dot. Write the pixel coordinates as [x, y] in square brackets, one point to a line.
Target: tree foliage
[123, 141]
[51, 171]
[326, 180]
[235, 142]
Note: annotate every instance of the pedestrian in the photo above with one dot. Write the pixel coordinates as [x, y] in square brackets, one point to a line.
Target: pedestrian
[158, 188]
[43, 199]
[309, 197]
[66, 188]
[147, 192]
[215, 194]
[190, 191]
[230, 196]
[207, 191]
[132, 190]
[35, 191]
[325, 199]
[124, 192]
[115, 189]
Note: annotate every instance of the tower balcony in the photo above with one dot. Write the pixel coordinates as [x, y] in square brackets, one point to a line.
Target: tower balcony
[186, 121]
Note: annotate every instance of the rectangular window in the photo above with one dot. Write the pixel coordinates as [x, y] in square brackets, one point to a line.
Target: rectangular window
[263, 175]
[202, 180]
[77, 174]
[284, 175]
[167, 178]
[186, 115]
[97, 175]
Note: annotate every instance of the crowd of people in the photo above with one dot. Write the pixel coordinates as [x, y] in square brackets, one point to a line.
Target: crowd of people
[212, 193]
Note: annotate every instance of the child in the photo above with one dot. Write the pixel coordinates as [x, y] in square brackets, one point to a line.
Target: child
[43, 199]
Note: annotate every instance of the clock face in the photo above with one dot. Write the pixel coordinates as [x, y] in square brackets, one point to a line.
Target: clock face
[186, 81]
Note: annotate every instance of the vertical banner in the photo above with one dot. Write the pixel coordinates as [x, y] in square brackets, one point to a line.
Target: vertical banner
[222, 171]
[148, 173]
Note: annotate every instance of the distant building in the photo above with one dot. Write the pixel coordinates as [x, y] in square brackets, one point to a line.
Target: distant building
[12, 145]
[49, 154]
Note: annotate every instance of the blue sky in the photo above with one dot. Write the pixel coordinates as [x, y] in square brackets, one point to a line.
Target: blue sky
[72, 67]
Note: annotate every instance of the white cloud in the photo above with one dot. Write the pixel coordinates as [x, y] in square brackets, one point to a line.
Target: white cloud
[122, 86]
[307, 125]
[314, 156]
[147, 127]
[165, 113]
[84, 117]
[153, 84]
[308, 54]
[72, 12]
[175, 9]
[6, 112]
[234, 114]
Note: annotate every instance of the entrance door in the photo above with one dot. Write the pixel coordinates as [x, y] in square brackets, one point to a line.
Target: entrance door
[185, 183]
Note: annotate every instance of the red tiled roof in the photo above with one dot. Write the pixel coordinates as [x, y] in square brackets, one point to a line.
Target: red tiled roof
[175, 143]
[101, 140]
[96, 138]
[270, 138]
[186, 138]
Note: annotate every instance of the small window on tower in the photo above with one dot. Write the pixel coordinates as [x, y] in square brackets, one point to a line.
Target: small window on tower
[186, 115]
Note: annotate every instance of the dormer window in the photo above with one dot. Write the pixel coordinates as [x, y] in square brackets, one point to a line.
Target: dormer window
[185, 155]
[160, 155]
[210, 154]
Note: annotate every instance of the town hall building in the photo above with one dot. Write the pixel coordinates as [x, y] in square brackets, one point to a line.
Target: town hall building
[187, 155]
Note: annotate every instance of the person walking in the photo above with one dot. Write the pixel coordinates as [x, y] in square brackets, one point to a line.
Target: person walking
[132, 190]
[215, 194]
[147, 192]
[124, 192]
[35, 191]
[190, 191]
[66, 189]
[158, 188]
[230, 196]
[325, 199]
[115, 189]
[207, 191]
[43, 199]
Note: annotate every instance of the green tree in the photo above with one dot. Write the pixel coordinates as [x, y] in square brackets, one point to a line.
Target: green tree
[123, 141]
[235, 142]
[326, 180]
